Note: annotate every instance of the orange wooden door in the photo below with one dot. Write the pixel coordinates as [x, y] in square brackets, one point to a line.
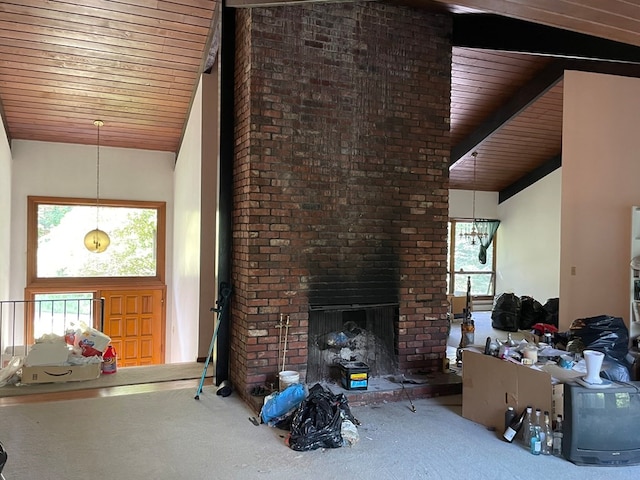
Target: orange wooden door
[134, 319]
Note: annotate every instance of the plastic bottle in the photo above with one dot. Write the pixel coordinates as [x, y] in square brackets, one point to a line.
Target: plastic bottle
[515, 425]
[557, 437]
[535, 442]
[547, 444]
[527, 427]
[109, 361]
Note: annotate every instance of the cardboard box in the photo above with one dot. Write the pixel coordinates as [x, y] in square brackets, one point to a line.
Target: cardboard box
[457, 305]
[490, 385]
[60, 373]
[47, 354]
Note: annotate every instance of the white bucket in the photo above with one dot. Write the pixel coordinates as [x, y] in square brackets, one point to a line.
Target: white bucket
[288, 377]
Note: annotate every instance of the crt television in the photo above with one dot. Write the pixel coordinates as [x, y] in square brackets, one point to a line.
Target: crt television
[602, 425]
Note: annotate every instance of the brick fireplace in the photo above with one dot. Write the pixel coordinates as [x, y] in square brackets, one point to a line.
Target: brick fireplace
[340, 180]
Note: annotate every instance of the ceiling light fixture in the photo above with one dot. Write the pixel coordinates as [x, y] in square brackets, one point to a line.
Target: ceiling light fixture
[474, 234]
[96, 240]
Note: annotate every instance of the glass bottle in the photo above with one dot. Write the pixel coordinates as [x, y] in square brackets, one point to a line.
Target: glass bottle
[526, 428]
[557, 437]
[547, 442]
[515, 425]
[509, 416]
[535, 441]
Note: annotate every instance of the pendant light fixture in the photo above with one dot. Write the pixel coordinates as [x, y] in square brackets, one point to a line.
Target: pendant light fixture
[96, 240]
[475, 234]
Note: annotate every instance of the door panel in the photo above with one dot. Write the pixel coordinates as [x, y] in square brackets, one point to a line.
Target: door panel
[134, 319]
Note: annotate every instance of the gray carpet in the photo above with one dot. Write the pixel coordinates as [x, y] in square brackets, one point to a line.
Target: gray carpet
[169, 435]
[124, 376]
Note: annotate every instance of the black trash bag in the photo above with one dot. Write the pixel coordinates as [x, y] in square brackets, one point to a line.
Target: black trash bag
[603, 333]
[531, 312]
[615, 370]
[317, 422]
[551, 311]
[506, 312]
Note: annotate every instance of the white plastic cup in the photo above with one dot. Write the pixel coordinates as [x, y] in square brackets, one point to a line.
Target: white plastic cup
[593, 360]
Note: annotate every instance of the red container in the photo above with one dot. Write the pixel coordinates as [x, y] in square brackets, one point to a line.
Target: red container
[109, 361]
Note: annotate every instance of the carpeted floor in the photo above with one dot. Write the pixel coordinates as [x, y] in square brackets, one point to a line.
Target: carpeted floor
[124, 376]
[483, 329]
[169, 435]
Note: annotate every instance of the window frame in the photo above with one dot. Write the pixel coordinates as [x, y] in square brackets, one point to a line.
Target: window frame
[452, 273]
[35, 283]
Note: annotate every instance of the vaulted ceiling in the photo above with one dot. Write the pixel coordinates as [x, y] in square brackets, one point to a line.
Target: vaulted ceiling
[135, 65]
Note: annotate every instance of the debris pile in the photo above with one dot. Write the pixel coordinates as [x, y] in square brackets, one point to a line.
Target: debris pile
[316, 418]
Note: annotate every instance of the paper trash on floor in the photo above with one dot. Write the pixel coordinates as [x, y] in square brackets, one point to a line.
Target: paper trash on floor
[75, 357]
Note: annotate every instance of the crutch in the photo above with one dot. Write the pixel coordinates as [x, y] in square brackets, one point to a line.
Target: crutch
[225, 293]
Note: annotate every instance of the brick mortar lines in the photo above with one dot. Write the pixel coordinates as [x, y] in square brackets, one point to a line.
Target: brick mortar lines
[311, 169]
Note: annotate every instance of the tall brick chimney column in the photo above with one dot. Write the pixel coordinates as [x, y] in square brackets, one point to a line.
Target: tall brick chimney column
[340, 177]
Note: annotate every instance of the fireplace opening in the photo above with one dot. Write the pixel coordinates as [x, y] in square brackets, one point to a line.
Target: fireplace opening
[352, 333]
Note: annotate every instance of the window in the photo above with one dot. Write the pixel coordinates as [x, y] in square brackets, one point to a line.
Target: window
[56, 230]
[55, 313]
[463, 256]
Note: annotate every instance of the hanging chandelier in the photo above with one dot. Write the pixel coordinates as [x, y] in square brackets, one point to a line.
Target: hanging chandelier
[475, 233]
[96, 240]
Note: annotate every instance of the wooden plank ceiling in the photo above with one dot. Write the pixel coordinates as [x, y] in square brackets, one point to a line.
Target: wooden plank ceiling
[617, 20]
[482, 82]
[135, 65]
[519, 145]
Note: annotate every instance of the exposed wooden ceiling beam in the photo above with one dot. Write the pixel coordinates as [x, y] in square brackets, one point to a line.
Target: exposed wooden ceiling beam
[528, 94]
[508, 34]
[529, 179]
[574, 51]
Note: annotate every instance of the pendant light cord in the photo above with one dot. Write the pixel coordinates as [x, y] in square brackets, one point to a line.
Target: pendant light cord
[475, 156]
[98, 123]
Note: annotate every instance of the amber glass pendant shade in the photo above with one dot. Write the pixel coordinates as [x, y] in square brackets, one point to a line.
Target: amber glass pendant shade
[96, 241]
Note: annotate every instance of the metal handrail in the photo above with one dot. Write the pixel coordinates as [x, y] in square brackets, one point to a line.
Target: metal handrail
[18, 317]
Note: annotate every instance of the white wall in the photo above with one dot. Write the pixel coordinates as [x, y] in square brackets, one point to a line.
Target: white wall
[54, 169]
[66, 170]
[600, 183]
[461, 204]
[525, 265]
[186, 242]
[528, 255]
[5, 214]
